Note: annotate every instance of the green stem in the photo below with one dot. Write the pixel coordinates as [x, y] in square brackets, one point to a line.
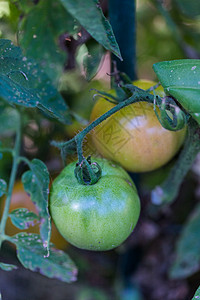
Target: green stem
[24, 159]
[79, 142]
[136, 95]
[168, 191]
[7, 238]
[80, 136]
[8, 150]
[12, 180]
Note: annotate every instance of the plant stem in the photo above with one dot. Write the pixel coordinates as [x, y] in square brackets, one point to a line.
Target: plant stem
[122, 19]
[80, 136]
[168, 191]
[8, 150]
[12, 180]
[137, 95]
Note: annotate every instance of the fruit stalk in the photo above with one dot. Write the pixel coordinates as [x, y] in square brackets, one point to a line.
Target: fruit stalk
[136, 95]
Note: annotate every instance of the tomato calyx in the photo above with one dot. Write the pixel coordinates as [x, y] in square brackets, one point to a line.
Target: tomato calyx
[86, 172]
[177, 118]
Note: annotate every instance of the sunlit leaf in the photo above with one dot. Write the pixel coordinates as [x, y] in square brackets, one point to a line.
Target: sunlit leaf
[23, 5]
[181, 79]
[32, 255]
[90, 16]
[36, 183]
[22, 218]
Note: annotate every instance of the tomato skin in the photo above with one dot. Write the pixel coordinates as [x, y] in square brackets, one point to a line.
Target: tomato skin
[21, 199]
[133, 136]
[95, 217]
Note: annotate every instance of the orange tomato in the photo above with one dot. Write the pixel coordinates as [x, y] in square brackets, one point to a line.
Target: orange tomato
[133, 136]
[21, 199]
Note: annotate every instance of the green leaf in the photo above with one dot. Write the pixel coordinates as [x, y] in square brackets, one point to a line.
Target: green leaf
[9, 117]
[92, 293]
[23, 5]
[42, 42]
[3, 187]
[22, 218]
[32, 255]
[36, 183]
[187, 260]
[92, 59]
[90, 16]
[189, 8]
[197, 294]
[181, 79]
[24, 83]
[169, 189]
[7, 267]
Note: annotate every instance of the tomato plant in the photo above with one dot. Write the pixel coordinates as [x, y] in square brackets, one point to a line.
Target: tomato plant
[44, 88]
[21, 199]
[99, 216]
[133, 136]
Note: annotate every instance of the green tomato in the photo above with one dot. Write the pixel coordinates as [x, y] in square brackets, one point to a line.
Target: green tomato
[95, 217]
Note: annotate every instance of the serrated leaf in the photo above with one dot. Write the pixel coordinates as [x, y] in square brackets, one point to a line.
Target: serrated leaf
[24, 83]
[22, 218]
[3, 187]
[181, 79]
[36, 183]
[197, 294]
[187, 260]
[92, 59]
[90, 16]
[41, 42]
[32, 255]
[7, 267]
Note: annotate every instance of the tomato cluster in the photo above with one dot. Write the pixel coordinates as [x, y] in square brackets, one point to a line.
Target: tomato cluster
[101, 216]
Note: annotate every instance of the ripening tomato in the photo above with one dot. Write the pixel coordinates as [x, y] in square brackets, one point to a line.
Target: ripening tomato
[95, 217]
[21, 199]
[133, 136]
